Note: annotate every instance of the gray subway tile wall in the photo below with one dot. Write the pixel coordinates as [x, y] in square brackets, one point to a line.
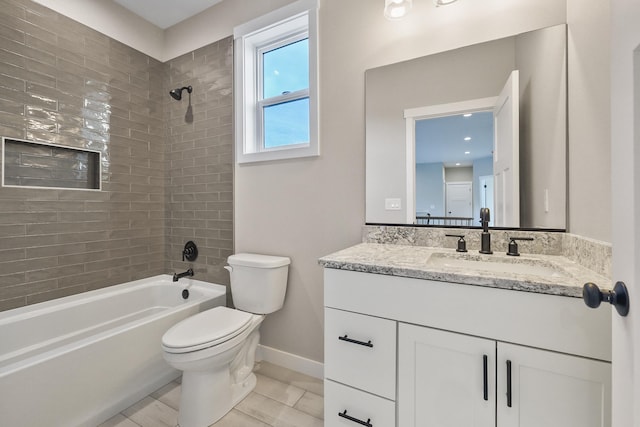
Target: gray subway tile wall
[166, 177]
[199, 159]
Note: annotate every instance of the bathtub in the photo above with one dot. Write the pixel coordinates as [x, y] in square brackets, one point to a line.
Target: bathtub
[79, 360]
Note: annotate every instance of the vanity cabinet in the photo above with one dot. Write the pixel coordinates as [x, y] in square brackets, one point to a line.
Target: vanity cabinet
[360, 369]
[446, 348]
[451, 379]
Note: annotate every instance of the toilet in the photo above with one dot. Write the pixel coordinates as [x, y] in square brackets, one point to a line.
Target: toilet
[215, 349]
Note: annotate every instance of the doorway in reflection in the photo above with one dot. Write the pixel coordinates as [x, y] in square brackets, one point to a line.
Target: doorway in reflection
[453, 167]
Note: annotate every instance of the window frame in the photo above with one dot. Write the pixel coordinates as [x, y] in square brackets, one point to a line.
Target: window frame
[284, 26]
[262, 103]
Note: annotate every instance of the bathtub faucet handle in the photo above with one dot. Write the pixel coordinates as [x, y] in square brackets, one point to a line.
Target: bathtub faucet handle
[178, 276]
[190, 251]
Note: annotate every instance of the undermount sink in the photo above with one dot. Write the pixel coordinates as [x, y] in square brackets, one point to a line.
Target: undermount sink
[495, 264]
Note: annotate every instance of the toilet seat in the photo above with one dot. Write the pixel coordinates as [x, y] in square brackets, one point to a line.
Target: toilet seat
[206, 329]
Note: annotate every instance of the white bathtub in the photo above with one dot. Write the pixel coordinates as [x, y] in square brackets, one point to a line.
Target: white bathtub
[78, 360]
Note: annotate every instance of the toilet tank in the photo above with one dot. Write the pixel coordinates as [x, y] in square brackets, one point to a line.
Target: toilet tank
[258, 282]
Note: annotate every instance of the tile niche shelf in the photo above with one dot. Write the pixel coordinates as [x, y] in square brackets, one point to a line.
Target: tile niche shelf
[30, 164]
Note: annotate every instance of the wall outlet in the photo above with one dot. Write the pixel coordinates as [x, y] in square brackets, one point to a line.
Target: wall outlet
[393, 204]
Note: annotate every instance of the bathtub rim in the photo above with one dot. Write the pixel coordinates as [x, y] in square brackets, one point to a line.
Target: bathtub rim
[31, 310]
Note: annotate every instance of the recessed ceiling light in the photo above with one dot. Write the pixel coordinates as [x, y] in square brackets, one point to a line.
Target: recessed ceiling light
[467, 138]
[457, 164]
[467, 152]
[467, 115]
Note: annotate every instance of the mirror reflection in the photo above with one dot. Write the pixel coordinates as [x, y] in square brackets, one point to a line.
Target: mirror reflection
[415, 121]
[453, 167]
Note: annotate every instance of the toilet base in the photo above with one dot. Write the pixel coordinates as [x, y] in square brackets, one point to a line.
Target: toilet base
[206, 398]
[211, 386]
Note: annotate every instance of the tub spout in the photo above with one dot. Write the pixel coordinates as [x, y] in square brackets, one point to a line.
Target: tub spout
[177, 276]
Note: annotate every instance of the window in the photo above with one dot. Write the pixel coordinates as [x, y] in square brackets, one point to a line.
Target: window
[276, 85]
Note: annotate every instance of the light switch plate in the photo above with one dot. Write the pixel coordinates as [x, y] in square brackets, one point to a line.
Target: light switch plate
[393, 204]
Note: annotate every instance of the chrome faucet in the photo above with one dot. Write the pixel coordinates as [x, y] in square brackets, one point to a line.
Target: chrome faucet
[485, 238]
[177, 276]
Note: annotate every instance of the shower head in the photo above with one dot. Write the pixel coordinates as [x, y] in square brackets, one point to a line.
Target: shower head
[177, 93]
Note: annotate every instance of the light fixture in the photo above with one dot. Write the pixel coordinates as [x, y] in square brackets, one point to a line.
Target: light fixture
[467, 138]
[442, 2]
[467, 152]
[396, 9]
[467, 115]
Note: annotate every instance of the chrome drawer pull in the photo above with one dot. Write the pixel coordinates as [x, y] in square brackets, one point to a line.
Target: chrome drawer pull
[351, 340]
[355, 420]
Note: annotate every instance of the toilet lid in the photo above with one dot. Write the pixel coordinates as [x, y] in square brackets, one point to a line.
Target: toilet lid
[207, 328]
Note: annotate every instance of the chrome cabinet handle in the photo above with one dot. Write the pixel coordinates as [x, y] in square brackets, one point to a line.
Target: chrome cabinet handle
[355, 420]
[351, 340]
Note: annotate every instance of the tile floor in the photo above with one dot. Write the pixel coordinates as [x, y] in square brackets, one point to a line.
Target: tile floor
[282, 398]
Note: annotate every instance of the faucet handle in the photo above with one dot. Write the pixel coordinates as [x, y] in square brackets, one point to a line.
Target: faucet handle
[462, 244]
[190, 251]
[513, 246]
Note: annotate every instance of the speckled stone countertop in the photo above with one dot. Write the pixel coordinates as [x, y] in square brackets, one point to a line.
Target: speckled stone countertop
[557, 275]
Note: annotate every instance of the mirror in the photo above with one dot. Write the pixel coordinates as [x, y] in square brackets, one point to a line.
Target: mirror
[402, 99]
[452, 153]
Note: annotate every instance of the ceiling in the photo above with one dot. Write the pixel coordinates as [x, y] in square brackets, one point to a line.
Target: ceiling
[165, 13]
[444, 139]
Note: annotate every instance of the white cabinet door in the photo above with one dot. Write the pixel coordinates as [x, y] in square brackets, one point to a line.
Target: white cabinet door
[445, 379]
[551, 389]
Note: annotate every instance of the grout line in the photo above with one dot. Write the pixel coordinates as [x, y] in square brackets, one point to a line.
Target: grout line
[283, 404]
[298, 400]
[250, 416]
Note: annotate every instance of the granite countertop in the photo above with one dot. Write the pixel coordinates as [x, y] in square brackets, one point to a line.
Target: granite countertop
[558, 275]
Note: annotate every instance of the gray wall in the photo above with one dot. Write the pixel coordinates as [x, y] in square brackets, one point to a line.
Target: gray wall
[543, 128]
[430, 188]
[309, 208]
[589, 40]
[199, 160]
[164, 181]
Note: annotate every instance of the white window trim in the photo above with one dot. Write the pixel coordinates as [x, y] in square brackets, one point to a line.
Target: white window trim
[301, 15]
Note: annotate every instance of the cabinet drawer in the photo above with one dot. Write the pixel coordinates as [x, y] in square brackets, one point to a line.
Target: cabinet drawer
[361, 351]
[359, 406]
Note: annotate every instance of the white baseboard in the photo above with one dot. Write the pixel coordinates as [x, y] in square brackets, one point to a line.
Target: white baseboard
[290, 361]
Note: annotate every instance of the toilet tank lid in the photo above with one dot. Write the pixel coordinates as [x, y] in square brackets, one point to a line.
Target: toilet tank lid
[258, 261]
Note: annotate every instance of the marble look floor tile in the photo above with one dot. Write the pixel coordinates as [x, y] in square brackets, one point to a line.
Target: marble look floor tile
[306, 382]
[277, 390]
[119, 421]
[275, 413]
[311, 404]
[236, 418]
[150, 412]
[169, 395]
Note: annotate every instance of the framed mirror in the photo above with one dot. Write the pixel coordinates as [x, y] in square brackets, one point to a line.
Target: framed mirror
[415, 121]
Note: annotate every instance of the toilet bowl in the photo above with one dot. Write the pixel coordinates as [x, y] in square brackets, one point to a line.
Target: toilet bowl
[215, 349]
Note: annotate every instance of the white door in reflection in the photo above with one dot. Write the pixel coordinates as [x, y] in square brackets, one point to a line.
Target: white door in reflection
[459, 200]
[506, 155]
